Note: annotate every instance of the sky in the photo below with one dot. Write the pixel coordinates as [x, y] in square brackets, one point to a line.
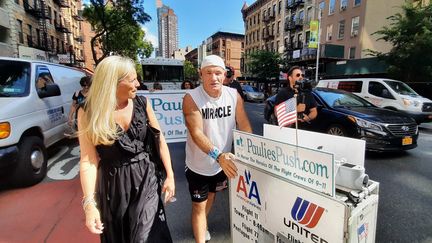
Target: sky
[198, 19]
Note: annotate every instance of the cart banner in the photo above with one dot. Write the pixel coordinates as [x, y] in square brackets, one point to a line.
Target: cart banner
[336, 145]
[266, 208]
[310, 168]
[167, 105]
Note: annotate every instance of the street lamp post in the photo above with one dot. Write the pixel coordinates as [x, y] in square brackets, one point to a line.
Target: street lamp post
[318, 45]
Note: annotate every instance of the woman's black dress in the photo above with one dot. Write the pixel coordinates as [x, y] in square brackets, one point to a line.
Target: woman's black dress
[129, 190]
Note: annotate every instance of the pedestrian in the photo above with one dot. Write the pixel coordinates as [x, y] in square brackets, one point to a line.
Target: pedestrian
[211, 112]
[78, 99]
[157, 86]
[306, 104]
[230, 81]
[121, 187]
[142, 85]
[187, 85]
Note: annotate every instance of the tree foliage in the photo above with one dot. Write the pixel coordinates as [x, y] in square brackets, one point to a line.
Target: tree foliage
[264, 64]
[117, 28]
[410, 33]
[190, 71]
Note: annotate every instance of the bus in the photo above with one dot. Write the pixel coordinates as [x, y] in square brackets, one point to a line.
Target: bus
[168, 72]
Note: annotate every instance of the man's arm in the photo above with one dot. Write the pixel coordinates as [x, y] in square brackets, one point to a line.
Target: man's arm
[194, 125]
[242, 120]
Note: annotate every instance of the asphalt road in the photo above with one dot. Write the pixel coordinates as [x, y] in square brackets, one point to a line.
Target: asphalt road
[405, 206]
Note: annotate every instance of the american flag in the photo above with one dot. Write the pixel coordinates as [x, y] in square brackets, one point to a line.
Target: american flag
[286, 112]
[362, 231]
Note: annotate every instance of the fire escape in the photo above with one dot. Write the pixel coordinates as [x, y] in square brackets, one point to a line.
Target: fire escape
[40, 11]
[62, 25]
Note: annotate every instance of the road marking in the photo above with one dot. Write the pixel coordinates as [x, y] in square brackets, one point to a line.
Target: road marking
[56, 172]
[62, 151]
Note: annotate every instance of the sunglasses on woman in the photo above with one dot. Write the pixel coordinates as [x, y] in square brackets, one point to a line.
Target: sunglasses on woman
[299, 74]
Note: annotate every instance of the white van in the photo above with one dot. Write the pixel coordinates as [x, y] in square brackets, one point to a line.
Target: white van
[385, 93]
[35, 99]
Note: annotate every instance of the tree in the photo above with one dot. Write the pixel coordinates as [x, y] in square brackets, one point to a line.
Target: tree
[410, 33]
[264, 64]
[190, 71]
[117, 28]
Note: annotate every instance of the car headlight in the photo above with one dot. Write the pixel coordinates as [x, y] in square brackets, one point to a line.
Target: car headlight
[4, 130]
[366, 124]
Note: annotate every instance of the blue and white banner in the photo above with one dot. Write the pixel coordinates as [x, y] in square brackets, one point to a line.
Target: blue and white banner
[310, 168]
[168, 108]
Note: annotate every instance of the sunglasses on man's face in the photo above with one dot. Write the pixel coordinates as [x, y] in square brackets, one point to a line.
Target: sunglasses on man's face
[299, 74]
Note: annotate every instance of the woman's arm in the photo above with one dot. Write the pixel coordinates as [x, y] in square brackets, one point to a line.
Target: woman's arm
[88, 173]
[169, 184]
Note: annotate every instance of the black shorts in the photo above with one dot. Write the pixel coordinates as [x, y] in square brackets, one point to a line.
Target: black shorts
[201, 185]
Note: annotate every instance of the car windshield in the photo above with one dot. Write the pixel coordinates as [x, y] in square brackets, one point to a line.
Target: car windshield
[401, 88]
[14, 78]
[249, 88]
[335, 99]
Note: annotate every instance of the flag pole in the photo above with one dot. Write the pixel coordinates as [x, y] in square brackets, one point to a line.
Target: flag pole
[296, 124]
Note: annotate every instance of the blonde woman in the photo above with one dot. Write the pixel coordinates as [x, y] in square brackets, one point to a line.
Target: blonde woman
[121, 189]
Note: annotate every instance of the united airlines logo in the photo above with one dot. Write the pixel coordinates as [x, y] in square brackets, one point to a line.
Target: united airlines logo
[306, 213]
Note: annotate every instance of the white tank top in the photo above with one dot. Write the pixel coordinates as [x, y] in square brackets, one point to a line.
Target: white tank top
[218, 116]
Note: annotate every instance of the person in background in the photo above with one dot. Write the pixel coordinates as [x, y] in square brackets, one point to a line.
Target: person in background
[43, 80]
[187, 85]
[157, 86]
[78, 99]
[306, 104]
[142, 85]
[211, 111]
[231, 82]
[121, 185]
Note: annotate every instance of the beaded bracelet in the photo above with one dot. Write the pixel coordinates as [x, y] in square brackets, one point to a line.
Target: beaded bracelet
[214, 153]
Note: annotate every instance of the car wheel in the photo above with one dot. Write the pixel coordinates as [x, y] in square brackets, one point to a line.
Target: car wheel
[32, 162]
[337, 130]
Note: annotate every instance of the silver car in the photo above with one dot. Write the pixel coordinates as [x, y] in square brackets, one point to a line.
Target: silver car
[252, 93]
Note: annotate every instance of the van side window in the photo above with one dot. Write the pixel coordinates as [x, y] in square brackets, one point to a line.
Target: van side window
[43, 78]
[351, 86]
[378, 89]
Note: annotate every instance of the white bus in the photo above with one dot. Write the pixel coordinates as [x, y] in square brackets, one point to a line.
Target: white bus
[168, 72]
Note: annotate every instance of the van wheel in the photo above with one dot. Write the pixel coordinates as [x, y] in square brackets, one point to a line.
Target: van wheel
[32, 162]
[337, 130]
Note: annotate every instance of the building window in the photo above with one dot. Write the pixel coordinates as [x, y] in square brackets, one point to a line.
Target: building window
[58, 45]
[343, 5]
[307, 38]
[355, 26]
[280, 7]
[223, 42]
[254, 18]
[352, 53]
[242, 44]
[38, 37]
[20, 32]
[52, 43]
[341, 31]
[329, 32]
[49, 15]
[274, 10]
[258, 20]
[357, 3]
[257, 34]
[332, 7]
[322, 7]
[309, 15]
[278, 27]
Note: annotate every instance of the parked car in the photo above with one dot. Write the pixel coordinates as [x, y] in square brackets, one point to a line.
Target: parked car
[35, 99]
[252, 93]
[345, 114]
[386, 93]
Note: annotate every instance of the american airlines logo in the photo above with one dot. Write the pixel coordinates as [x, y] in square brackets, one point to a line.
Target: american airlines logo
[306, 213]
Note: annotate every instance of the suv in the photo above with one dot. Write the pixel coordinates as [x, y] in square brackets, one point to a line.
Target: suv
[386, 93]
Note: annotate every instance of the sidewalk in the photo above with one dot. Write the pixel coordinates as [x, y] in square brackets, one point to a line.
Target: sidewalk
[26, 216]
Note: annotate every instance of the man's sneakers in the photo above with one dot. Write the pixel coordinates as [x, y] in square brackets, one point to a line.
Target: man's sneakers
[207, 236]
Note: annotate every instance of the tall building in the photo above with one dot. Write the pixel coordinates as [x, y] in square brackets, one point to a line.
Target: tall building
[167, 30]
[41, 29]
[229, 46]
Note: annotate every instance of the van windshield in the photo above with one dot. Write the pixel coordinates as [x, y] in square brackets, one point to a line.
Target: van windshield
[401, 88]
[14, 78]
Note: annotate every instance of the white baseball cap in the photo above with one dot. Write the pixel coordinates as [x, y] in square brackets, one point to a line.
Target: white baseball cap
[213, 60]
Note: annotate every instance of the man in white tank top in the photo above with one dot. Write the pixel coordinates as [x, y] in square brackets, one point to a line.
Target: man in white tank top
[211, 112]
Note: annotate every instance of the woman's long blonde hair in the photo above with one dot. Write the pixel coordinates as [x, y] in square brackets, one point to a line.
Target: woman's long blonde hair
[99, 124]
